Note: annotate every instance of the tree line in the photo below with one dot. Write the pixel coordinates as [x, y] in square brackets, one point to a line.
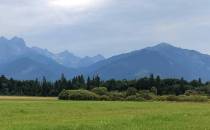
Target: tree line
[9, 86]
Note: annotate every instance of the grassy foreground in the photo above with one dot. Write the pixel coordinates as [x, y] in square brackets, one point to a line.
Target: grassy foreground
[29, 113]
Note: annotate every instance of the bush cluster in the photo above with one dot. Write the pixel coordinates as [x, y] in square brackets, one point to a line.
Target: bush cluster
[195, 98]
[100, 91]
[78, 95]
[135, 98]
[102, 94]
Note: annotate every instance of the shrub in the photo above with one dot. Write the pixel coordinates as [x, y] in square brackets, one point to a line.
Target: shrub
[134, 98]
[63, 95]
[187, 98]
[146, 95]
[161, 98]
[131, 91]
[100, 91]
[78, 95]
[105, 98]
[172, 98]
[191, 92]
[116, 96]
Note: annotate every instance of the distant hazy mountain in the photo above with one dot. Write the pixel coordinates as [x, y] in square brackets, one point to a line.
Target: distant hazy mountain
[26, 68]
[68, 59]
[21, 62]
[10, 49]
[87, 61]
[164, 60]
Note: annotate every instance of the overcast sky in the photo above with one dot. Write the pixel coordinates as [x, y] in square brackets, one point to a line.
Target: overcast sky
[108, 27]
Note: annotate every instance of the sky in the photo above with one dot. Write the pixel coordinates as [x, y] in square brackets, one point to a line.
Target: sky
[107, 27]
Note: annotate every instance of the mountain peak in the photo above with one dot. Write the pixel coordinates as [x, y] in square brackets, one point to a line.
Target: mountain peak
[17, 38]
[164, 44]
[66, 53]
[18, 41]
[2, 38]
[96, 57]
[99, 57]
[15, 43]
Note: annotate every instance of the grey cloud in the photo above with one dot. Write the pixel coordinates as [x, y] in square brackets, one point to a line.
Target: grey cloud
[121, 26]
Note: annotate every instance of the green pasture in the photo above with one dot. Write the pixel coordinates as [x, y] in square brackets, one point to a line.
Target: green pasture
[28, 113]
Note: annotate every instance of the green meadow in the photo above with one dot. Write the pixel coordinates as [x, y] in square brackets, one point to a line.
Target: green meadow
[28, 113]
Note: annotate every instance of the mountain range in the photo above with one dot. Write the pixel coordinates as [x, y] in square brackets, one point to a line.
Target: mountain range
[163, 59]
[22, 62]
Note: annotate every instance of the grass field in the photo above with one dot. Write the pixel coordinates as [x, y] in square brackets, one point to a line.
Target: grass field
[28, 113]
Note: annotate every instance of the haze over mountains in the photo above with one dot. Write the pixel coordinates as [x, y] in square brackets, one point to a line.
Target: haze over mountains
[68, 59]
[21, 62]
[164, 60]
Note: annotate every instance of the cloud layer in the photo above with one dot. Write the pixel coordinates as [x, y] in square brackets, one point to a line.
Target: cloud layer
[107, 26]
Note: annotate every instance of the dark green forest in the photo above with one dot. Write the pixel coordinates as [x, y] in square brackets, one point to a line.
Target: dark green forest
[52, 88]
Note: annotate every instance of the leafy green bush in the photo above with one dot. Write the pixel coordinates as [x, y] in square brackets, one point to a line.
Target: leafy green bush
[191, 92]
[122, 96]
[63, 95]
[187, 98]
[100, 91]
[172, 98]
[146, 95]
[131, 91]
[160, 98]
[78, 95]
[104, 98]
[134, 98]
[117, 96]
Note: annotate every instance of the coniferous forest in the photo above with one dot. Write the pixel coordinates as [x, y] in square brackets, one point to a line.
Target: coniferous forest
[53, 88]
